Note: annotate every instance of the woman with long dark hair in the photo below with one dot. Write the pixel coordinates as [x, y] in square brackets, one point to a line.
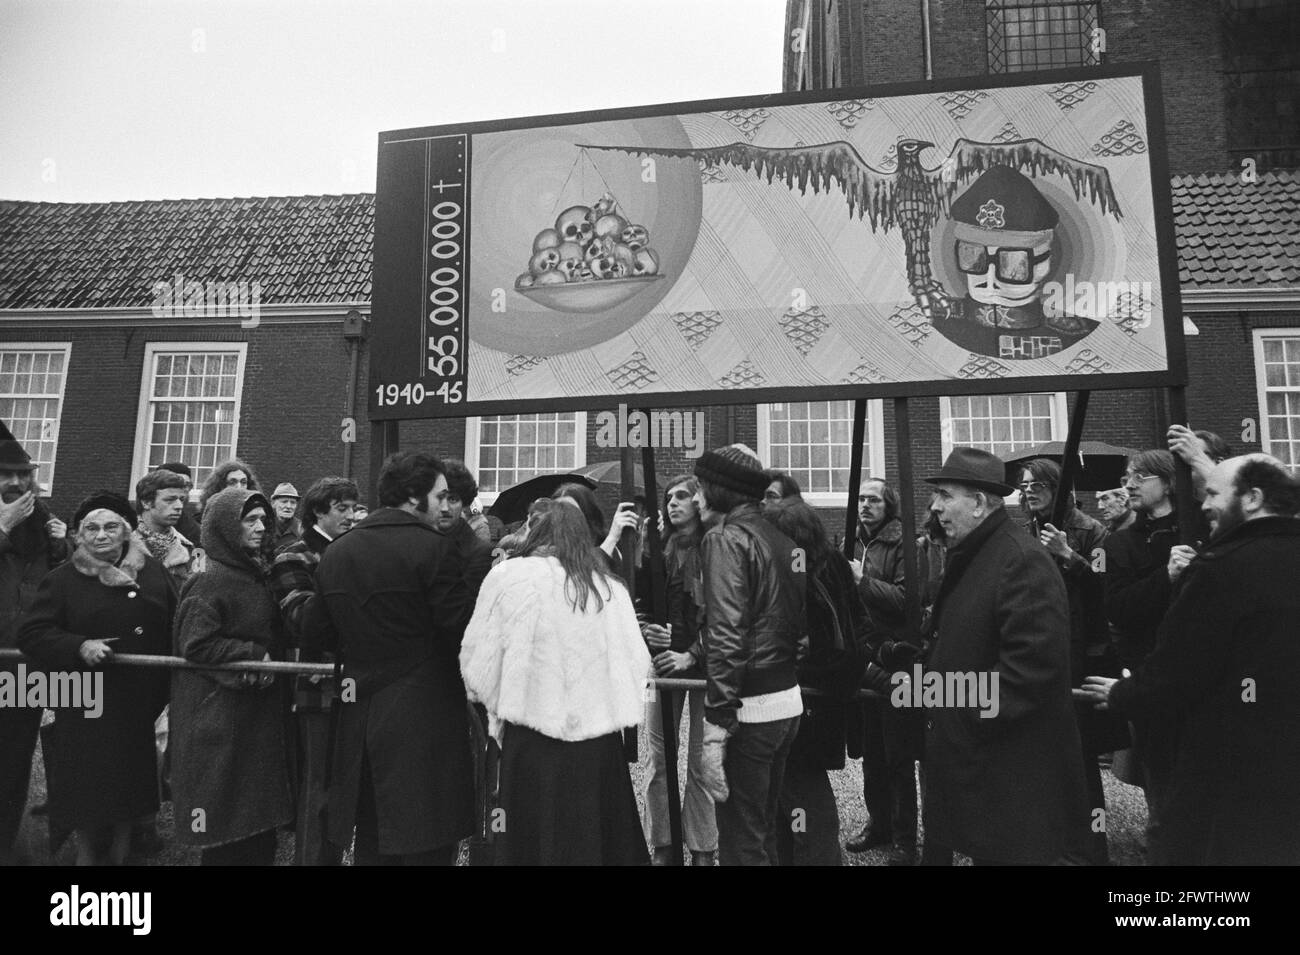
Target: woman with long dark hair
[554, 653]
[606, 538]
[837, 655]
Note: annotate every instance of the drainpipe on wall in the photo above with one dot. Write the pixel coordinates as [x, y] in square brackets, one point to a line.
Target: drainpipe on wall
[925, 38]
[354, 331]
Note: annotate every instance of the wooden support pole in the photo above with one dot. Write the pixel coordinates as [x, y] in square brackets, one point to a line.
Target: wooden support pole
[1184, 498]
[855, 475]
[1070, 460]
[907, 515]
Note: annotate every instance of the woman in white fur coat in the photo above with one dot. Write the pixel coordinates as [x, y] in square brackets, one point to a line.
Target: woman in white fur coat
[554, 653]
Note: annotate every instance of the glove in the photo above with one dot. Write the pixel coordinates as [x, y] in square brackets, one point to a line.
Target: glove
[715, 750]
[897, 655]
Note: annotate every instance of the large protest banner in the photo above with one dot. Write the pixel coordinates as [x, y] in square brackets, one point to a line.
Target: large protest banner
[943, 239]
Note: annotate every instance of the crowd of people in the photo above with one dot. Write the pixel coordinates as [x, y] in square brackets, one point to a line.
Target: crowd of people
[1167, 639]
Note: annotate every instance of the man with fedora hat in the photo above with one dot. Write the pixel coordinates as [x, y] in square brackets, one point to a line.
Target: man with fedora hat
[1004, 785]
[32, 541]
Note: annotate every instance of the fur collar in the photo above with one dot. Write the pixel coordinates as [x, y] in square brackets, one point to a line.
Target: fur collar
[122, 574]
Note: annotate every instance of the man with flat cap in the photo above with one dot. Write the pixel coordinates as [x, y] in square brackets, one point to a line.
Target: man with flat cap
[1004, 782]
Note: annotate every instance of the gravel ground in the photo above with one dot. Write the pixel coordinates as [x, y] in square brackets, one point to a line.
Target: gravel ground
[1126, 818]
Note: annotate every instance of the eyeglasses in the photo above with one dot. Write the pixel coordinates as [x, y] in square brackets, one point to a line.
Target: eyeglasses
[1013, 265]
[1030, 486]
[92, 529]
[1140, 478]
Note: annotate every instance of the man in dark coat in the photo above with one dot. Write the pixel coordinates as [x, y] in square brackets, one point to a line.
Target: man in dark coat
[1076, 547]
[327, 514]
[1225, 671]
[31, 542]
[1004, 784]
[880, 734]
[1139, 581]
[396, 602]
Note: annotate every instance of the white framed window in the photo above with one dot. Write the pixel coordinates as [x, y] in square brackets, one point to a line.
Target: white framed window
[810, 441]
[1001, 424]
[1277, 380]
[31, 400]
[190, 397]
[503, 450]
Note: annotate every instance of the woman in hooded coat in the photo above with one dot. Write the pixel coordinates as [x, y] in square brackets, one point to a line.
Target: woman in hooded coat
[110, 597]
[230, 780]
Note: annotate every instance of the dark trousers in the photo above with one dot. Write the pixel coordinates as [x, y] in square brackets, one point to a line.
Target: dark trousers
[367, 846]
[255, 850]
[19, 727]
[1083, 845]
[889, 774]
[808, 823]
[755, 769]
[311, 847]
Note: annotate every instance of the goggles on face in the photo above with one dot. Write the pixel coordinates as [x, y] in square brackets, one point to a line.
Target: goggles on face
[1013, 265]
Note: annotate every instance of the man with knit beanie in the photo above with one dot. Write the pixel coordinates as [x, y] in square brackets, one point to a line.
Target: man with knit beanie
[754, 617]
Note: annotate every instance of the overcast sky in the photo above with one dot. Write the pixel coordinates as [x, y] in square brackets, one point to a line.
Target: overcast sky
[112, 100]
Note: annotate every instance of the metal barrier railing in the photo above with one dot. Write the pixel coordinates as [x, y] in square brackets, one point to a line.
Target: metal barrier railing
[484, 749]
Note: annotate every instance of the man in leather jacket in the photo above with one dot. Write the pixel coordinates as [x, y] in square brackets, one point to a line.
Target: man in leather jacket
[754, 617]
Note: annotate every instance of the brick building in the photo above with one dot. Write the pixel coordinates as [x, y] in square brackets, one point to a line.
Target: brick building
[101, 379]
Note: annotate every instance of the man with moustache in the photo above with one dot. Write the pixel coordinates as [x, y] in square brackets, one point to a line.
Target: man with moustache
[1225, 667]
[32, 541]
[880, 734]
[328, 511]
[466, 528]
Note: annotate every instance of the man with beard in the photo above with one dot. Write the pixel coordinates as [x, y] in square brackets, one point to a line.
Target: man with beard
[32, 541]
[397, 602]
[468, 529]
[1225, 668]
[327, 513]
[880, 733]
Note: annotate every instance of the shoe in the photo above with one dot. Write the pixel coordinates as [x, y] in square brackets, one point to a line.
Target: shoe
[702, 858]
[663, 855]
[871, 838]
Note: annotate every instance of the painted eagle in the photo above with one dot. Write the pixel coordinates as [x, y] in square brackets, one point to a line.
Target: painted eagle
[911, 197]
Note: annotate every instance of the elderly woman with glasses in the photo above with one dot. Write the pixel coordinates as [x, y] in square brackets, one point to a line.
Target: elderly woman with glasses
[111, 597]
[1077, 546]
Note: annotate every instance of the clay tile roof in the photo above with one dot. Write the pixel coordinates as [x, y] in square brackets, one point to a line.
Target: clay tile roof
[317, 249]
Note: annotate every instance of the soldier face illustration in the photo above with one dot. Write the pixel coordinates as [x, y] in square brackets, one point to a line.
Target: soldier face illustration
[999, 275]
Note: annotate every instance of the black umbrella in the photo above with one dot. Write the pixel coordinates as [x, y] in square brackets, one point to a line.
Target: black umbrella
[1102, 469]
[611, 472]
[512, 504]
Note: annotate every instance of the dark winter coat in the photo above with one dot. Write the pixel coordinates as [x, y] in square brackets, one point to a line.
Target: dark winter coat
[883, 584]
[1225, 670]
[1089, 631]
[228, 750]
[1006, 788]
[833, 607]
[397, 595]
[26, 556]
[102, 770]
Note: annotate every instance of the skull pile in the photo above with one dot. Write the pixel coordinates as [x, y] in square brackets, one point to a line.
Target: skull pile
[590, 244]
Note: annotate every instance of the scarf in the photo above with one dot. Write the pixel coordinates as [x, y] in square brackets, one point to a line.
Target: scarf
[119, 573]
